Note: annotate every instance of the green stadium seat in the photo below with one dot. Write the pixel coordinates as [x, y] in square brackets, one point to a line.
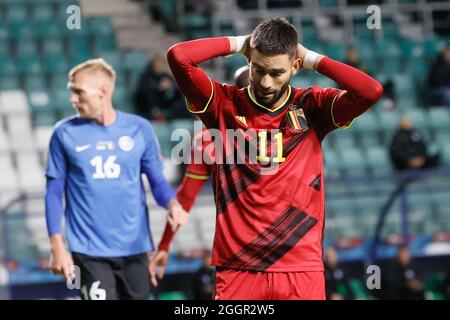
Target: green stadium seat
[433, 46]
[434, 285]
[344, 139]
[392, 66]
[79, 49]
[362, 32]
[42, 12]
[366, 129]
[390, 31]
[43, 118]
[167, 7]
[48, 29]
[58, 81]
[30, 65]
[65, 113]
[122, 99]
[8, 67]
[9, 83]
[163, 132]
[21, 30]
[52, 47]
[353, 161]
[378, 159]
[121, 79]
[226, 28]
[325, 82]
[442, 137]
[5, 50]
[172, 295]
[16, 13]
[446, 153]
[419, 118]
[439, 118]
[27, 49]
[100, 26]
[388, 49]
[388, 120]
[328, 3]
[336, 50]
[186, 124]
[56, 64]
[135, 60]
[39, 100]
[113, 58]
[332, 163]
[104, 43]
[359, 289]
[403, 84]
[132, 79]
[4, 34]
[61, 99]
[35, 82]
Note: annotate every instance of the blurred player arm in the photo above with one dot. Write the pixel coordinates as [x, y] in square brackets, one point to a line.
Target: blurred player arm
[183, 59]
[187, 193]
[359, 93]
[152, 167]
[60, 260]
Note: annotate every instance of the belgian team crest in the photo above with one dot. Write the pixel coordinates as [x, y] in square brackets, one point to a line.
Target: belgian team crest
[297, 118]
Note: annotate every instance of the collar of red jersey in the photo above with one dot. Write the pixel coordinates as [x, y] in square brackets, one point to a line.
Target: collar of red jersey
[266, 109]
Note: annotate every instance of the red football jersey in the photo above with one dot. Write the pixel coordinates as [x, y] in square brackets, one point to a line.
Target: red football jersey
[275, 221]
[270, 210]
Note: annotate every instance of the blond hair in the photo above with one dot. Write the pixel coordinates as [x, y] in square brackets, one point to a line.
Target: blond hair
[94, 65]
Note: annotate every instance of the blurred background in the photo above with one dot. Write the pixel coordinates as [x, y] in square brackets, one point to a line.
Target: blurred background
[387, 176]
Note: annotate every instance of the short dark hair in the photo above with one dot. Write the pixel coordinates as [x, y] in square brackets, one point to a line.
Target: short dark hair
[275, 36]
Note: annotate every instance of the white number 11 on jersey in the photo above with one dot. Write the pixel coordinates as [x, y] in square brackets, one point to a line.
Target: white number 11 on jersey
[105, 170]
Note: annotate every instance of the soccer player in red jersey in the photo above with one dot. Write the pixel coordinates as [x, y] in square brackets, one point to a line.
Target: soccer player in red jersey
[193, 181]
[270, 210]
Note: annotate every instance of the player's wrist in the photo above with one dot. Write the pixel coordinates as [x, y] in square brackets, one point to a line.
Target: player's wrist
[173, 204]
[237, 44]
[309, 60]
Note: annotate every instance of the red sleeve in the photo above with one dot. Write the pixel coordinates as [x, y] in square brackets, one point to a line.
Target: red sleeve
[183, 59]
[359, 93]
[186, 195]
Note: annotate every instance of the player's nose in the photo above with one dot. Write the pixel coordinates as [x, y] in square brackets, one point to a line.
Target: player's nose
[74, 98]
[266, 82]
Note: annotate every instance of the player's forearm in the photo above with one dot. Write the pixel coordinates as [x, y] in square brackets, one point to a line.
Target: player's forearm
[163, 193]
[362, 91]
[188, 192]
[183, 59]
[57, 243]
[53, 205]
[167, 238]
[366, 89]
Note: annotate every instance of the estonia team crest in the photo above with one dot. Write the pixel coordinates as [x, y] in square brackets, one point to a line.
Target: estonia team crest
[126, 143]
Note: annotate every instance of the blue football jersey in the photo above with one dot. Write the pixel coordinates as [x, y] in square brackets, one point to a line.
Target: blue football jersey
[106, 212]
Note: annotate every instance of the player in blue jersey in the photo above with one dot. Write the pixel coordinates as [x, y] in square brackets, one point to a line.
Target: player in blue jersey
[96, 159]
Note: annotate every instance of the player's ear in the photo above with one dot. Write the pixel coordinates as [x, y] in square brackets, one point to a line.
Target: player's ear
[104, 89]
[296, 66]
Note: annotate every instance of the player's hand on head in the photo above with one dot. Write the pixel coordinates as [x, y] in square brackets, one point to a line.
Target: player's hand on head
[61, 262]
[177, 216]
[246, 49]
[157, 266]
[301, 52]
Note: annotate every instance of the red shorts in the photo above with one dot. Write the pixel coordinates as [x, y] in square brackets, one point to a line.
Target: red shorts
[249, 285]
